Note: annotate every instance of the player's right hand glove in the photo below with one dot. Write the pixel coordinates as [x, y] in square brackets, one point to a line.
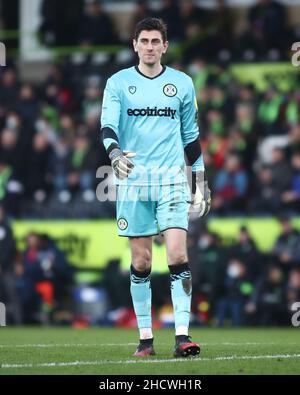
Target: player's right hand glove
[120, 163]
[201, 196]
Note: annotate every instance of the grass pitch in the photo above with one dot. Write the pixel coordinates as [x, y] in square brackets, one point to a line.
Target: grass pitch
[109, 351]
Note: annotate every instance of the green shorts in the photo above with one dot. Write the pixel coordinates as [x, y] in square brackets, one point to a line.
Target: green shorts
[149, 210]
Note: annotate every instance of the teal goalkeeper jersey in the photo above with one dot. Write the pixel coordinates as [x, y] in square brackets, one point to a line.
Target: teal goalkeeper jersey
[155, 118]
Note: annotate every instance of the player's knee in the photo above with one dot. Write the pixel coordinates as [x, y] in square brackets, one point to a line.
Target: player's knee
[141, 266]
[177, 258]
[142, 261]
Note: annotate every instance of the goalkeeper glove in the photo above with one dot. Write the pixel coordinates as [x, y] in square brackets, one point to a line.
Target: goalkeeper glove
[201, 199]
[120, 163]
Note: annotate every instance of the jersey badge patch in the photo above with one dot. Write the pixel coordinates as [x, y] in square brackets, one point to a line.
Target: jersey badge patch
[170, 90]
[132, 89]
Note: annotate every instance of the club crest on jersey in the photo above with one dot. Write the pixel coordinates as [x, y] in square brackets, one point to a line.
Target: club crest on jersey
[132, 89]
[170, 90]
[122, 223]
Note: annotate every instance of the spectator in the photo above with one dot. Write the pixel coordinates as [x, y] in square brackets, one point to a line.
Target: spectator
[22, 129]
[291, 109]
[266, 197]
[27, 105]
[8, 89]
[191, 13]
[293, 287]
[10, 152]
[208, 267]
[237, 142]
[269, 112]
[30, 299]
[90, 104]
[287, 246]
[236, 293]
[281, 172]
[67, 127]
[245, 122]
[294, 138]
[217, 148]
[8, 290]
[56, 268]
[268, 301]
[266, 30]
[9, 190]
[230, 186]
[96, 27]
[38, 167]
[291, 197]
[222, 22]
[215, 122]
[57, 22]
[60, 158]
[46, 278]
[267, 20]
[11, 155]
[170, 14]
[82, 164]
[245, 249]
[141, 12]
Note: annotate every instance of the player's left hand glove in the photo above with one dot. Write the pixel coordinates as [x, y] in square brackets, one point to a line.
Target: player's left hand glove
[201, 196]
[120, 163]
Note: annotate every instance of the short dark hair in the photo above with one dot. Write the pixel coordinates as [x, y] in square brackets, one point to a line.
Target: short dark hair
[151, 24]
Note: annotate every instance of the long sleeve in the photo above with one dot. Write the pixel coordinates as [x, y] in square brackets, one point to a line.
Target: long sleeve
[190, 129]
[110, 117]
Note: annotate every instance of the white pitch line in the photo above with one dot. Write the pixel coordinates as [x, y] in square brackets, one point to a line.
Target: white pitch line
[65, 345]
[147, 361]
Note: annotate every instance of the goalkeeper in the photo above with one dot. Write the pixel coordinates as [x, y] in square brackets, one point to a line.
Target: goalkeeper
[149, 124]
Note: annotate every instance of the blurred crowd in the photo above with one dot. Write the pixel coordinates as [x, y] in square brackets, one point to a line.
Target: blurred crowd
[251, 142]
[33, 283]
[49, 132]
[239, 284]
[50, 142]
[205, 31]
[233, 283]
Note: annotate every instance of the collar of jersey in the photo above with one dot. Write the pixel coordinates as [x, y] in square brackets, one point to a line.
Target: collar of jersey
[151, 78]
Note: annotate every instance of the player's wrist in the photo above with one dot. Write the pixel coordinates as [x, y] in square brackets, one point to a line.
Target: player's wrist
[198, 180]
[201, 195]
[200, 176]
[115, 153]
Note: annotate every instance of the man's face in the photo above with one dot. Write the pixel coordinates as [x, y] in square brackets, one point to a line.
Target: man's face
[150, 47]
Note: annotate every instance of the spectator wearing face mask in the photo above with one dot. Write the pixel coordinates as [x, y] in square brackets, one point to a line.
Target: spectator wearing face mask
[245, 248]
[208, 267]
[237, 289]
